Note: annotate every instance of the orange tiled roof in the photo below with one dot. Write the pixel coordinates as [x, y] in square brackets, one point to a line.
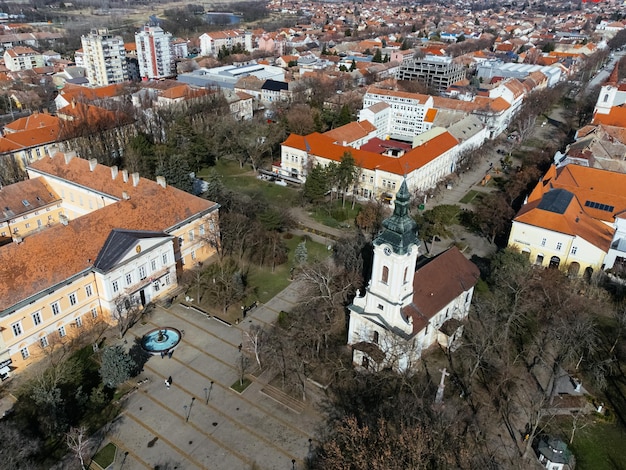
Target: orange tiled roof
[351, 131]
[45, 259]
[317, 144]
[34, 121]
[616, 117]
[183, 92]
[35, 192]
[29, 138]
[587, 184]
[420, 98]
[430, 115]
[80, 93]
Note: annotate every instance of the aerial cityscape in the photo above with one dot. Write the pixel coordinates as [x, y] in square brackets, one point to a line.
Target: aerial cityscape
[313, 235]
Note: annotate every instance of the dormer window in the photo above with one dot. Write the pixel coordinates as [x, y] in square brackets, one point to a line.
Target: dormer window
[25, 202]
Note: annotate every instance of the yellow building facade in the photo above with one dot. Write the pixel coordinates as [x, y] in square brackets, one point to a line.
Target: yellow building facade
[121, 241]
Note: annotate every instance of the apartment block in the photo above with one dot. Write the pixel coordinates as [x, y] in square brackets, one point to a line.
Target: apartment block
[155, 53]
[104, 57]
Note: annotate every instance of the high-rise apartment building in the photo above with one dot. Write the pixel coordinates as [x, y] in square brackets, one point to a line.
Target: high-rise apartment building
[104, 58]
[155, 53]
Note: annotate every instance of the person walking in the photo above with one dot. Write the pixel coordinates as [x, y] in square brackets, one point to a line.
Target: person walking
[168, 382]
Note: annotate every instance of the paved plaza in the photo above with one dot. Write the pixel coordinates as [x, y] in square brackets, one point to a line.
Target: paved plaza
[199, 422]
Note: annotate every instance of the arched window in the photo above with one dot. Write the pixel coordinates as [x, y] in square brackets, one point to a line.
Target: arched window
[375, 337]
[606, 98]
[555, 261]
[385, 276]
[406, 272]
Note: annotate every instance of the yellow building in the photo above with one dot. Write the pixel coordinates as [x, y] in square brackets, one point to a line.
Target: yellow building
[572, 220]
[122, 241]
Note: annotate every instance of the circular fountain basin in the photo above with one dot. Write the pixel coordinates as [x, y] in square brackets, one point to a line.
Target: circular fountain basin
[160, 340]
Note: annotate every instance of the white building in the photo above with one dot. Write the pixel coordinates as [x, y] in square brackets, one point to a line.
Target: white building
[22, 58]
[406, 310]
[211, 43]
[155, 53]
[104, 58]
[410, 115]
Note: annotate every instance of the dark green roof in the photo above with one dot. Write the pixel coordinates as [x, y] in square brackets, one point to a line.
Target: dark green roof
[400, 230]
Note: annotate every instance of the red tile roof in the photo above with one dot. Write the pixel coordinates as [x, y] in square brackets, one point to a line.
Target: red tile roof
[52, 256]
[317, 144]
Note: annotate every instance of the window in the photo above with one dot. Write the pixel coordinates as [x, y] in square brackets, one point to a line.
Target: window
[25, 353]
[201, 230]
[574, 250]
[79, 322]
[385, 275]
[164, 258]
[559, 245]
[142, 272]
[543, 242]
[365, 362]
[17, 328]
[539, 260]
[27, 225]
[406, 272]
[43, 341]
[129, 279]
[375, 337]
[56, 308]
[73, 299]
[193, 254]
[37, 318]
[88, 290]
[153, 264]
[380, 307]
[62, 332]
[191, 235]
[115, 285]
[168, 280]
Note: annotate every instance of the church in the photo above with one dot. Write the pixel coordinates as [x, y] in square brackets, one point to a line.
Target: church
[408, 306]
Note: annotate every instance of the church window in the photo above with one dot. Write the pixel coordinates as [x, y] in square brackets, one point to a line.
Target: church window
[375, 337]
[606, 98]
[385, 276]
[406, 271]
[380, 307]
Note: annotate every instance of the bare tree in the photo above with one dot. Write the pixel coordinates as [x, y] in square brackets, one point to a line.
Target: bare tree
[126, 311]
[254, 339]
[79, 443]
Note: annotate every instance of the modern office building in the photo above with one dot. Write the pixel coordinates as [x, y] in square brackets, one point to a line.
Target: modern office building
[438, 72]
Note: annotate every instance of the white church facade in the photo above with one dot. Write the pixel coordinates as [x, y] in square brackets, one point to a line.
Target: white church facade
[406, 310]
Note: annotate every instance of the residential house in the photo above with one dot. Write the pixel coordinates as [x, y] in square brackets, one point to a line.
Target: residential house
[274, 91]
[408, 306]
[122, 243]
[29, 138]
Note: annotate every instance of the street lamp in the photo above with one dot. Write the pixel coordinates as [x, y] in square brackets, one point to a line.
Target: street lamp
[186, 415]
[207, 393]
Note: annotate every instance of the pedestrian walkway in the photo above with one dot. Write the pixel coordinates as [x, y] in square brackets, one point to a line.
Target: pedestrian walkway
[199, 421]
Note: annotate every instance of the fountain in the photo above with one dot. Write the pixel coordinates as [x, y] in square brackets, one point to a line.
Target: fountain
[161, 340]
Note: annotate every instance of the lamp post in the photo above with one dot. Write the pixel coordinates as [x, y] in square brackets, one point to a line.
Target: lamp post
[185, 408]
[208, 392]
[189, 410]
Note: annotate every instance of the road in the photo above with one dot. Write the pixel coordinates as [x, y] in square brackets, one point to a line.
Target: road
[605, 72]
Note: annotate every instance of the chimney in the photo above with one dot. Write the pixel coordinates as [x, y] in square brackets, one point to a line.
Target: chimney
[92, 164]
[113, 172]
[161, 181]
[125, 196]
[135, 179]
[69, 156]
[125, 175]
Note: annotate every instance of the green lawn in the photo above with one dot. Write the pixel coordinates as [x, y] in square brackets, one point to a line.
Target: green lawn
[106, 455]
[245, 181]
[239, 387]
[337, 216]
[598, 445]
[469, 197]
[267, 283]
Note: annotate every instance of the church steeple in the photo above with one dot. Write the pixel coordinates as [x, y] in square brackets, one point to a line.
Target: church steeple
[400, 230]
